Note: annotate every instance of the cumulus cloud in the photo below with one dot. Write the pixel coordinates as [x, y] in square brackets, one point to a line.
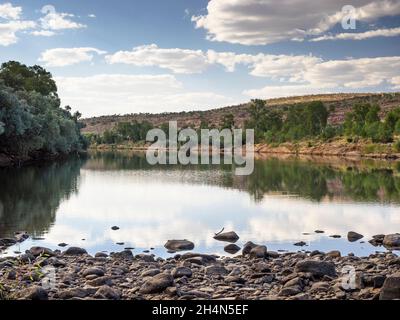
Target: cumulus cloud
[9, 30]
[61, 57]
[260, 22]
[54, 20]
[187, 61]
[337, 76]
[174, 59]
[121, 94]
[393, 32]
[12, 24]
[8, 11]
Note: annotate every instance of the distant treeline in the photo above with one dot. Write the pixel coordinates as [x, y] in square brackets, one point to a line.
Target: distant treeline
[32, 124]
[299, 122]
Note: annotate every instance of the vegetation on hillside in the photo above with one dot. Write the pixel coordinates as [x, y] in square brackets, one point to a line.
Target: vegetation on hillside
[32, 124]
[306, 121]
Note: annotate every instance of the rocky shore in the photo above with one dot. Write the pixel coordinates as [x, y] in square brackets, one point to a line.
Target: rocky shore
[254, 274]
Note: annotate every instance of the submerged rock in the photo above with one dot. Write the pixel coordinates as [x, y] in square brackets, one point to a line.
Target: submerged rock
[179, 245]
[115, 228]
[227, 237]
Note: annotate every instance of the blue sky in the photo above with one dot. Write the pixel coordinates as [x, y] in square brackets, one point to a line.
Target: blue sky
[116, 57]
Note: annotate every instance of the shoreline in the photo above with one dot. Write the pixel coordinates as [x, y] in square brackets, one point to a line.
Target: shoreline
[338, 148]
[255, 273]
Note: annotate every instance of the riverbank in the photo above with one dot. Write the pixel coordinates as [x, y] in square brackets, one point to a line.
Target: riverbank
[254, 274]
[336, 148]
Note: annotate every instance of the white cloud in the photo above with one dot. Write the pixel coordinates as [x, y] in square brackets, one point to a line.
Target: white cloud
[92, 15]
[338, 76]
[54, 20]
[9, 30]
[61, 57]
[259, 22]
[175, 59]
[8, 11]
[43, 33]
[393, 32]
[354, 73]
[121, 94]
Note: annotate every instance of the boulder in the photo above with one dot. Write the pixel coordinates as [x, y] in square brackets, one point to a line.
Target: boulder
[227, 236]
[108, 293]
[157, 284]
[354, 236]
[392, 241]
[75, 251]
[180, 272]
[93, 271]
[259, 252]
[316, 268]
[37, 251]
[248, 247]
[232, 248]
[391, 288]
[124, 255]
[216, 271]
[179, 245]
[34, 293]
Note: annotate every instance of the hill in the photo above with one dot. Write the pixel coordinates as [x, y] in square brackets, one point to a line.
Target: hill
[338, 104]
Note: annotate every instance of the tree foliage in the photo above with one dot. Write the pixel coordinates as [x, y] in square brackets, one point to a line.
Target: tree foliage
[31, 121]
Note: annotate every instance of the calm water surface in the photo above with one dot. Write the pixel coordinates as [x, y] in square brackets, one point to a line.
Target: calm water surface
[79, 200]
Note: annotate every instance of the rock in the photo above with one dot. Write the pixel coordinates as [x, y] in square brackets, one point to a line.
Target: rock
[180, 272]
[75, 251]
[115, 228]
[179, 245]
[73, 293]
[11, 275]
[259, 252]
[392, 241]
[150, 273]
[108, 293]
[248, 247]
[335, 236]
[93, 271]
[354, 236]
[157, 284]
[145, 257]
[272, 254]
[235, 279]
[391, 288]
[216, 270]
[232, 248]
[101, 255]
[7, 242]
[101, 281]
[55, 262]
[227, 237]
[320, 287]
[21, 236]
[316, 268]
[198, 257]
[377, 240]
[124, 255]
[289, 291]
[34, 293]
[300, 244]
[63, 245]
[319, 231]
[334, 254]
[38, 251]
